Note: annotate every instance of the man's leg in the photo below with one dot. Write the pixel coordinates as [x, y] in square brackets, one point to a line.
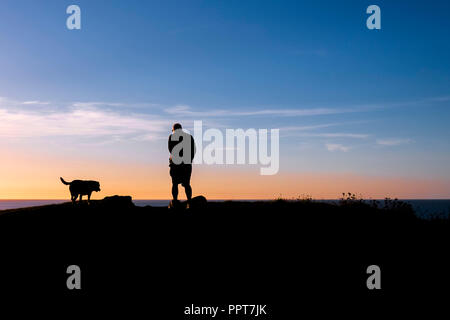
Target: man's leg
[187, 182]
[175, 191]
[188, 189]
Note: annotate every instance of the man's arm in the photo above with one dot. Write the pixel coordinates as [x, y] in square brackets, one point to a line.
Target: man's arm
[193, 148]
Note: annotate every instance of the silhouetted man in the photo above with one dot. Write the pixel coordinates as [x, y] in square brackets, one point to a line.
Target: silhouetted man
[182, 151]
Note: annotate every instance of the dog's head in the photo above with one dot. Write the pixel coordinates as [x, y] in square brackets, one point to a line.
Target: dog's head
[96, 186]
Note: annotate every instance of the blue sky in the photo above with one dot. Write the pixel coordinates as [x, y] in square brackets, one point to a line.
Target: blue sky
[347, 99]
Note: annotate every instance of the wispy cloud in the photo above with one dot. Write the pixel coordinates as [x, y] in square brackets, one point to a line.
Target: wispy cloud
[11, 103]
[95, 118]
[35, 102]
[336, 147]
[184, 110]
[393, 142]
[295, 129]
[188, 111]
[440, 99]
[307, 128]
[80, 122]
[332, 135]
[96, 104]
[105, 104]
[343, 135]
[19, 118]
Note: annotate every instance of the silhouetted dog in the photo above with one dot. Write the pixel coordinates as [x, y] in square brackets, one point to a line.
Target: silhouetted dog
[80, 187]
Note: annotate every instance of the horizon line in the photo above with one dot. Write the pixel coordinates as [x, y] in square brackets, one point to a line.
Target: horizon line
[225, 199]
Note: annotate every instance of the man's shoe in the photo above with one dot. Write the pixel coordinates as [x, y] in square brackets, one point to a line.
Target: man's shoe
[174, 204]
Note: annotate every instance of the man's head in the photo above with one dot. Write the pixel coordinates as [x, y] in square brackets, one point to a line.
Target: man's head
[176, 126]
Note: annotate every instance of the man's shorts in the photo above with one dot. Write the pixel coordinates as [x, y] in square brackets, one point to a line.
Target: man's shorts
[181, 173]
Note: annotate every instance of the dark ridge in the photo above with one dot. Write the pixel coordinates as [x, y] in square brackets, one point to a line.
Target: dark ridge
[255, 250]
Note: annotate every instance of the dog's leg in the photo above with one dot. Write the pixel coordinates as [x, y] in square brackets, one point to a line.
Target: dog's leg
[73, 197]
[89, 198]
[81, 198]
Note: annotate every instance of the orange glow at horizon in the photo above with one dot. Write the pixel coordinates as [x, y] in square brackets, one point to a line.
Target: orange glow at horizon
[26, 177]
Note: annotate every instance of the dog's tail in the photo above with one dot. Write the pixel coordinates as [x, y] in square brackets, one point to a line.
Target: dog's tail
[66, 183]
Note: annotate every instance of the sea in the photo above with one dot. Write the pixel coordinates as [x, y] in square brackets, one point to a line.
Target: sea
[423, 208]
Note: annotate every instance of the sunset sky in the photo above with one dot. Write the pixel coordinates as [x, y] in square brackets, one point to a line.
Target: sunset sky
[363, 111]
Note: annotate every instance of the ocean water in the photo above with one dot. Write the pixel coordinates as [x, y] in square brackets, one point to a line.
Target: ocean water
[14, 204]
[423, 208]
[429, 208]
